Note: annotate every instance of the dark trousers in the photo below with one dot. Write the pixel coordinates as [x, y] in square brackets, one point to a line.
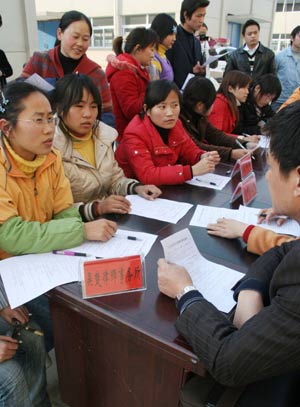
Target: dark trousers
[280, 391]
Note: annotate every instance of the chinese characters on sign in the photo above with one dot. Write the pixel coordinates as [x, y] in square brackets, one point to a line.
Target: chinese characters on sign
[107, 276]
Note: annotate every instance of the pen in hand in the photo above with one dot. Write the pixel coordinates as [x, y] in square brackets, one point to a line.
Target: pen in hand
[243, 147]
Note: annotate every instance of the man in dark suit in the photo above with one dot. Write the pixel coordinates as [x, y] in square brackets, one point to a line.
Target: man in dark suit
[259, 349]
[186, 55]
[252, 58]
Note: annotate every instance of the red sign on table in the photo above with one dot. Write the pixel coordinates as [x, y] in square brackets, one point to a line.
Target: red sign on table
[109, 276]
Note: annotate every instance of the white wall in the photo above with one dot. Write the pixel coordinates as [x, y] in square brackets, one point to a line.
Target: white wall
[18, 34]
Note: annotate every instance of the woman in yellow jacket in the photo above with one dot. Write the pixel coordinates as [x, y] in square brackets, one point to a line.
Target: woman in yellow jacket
[36, 205]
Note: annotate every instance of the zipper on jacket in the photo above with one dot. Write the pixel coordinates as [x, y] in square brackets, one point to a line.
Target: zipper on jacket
[34, 186]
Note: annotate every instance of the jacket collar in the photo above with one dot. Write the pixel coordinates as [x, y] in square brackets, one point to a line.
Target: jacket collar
[13, 170]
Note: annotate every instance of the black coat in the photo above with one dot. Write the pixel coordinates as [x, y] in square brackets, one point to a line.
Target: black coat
[184, 55]
[250, 117]
[5, 68]
[264, 62]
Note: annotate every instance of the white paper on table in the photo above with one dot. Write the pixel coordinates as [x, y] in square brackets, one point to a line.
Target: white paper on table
[210, 180]
[161, 209]
[250, 216]
[204, 215]
[264, 141]
[26, 277]
[119, 245]
[214, 281]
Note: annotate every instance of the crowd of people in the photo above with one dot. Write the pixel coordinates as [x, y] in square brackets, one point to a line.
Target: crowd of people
[70, 157]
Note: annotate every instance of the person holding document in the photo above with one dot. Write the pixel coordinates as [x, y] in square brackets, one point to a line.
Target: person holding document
[155, 147]
[258, 352]
[86, 147]
[36, 204]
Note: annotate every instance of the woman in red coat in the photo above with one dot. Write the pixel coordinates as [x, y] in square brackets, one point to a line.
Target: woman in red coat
[233, 91]
[128, 76]
[155, 145]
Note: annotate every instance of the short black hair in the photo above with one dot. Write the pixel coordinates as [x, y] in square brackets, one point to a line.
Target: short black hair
[198, 90]
[71, 17]
[158, 91]
[284, 132]
[69, 91]
[248, 23]
[138, 36]
[164, 25]
[190, 6]
[294, 32]
[269, 84]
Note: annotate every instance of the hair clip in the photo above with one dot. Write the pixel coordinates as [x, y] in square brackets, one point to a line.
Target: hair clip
[3, 103]
[174, 29]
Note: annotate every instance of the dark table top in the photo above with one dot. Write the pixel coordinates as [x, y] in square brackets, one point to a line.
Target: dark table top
[149, 315]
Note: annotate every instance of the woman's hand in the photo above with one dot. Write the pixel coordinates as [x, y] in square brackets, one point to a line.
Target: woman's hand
[149, 192]
[238, 153]
[228, 228]
[212, 155]
[20, 314]
[113, 204]
[100, 229]
[252, 139]
[203, 166]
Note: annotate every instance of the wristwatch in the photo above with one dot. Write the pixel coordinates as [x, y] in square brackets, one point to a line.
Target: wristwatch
[185, 290]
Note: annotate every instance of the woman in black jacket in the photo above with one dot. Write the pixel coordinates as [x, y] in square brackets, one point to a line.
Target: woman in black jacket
[198, 98]
[254, 113]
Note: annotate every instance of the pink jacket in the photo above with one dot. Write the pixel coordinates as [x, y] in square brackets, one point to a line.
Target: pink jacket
[128, 82]
[143, 154]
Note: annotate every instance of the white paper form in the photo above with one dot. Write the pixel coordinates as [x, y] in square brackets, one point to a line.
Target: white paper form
[119, 245]
[250, 216]
[161, 209]
[264, 141]
[204, 215]
[210, 180]
[212, 280]
[27, 277]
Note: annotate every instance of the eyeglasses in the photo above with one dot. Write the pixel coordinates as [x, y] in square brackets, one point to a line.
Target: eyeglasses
[40, 121]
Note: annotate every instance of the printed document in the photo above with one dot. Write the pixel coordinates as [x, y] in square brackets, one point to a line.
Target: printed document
[213, 280]
[161, 209]
[210, 180]
[26, 277]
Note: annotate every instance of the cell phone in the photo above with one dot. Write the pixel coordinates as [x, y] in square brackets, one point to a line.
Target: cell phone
[203, 37]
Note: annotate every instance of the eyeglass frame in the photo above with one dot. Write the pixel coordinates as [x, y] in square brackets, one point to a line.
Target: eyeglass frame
[40, 121]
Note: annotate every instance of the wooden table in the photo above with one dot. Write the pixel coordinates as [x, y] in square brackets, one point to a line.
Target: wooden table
[124, 350]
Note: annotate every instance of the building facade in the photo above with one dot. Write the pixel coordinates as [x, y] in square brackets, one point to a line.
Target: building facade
[118, 17]
[287, 17]
[18, 34]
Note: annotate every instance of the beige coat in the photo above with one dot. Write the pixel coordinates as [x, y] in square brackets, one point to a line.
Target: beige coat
[87, 182]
